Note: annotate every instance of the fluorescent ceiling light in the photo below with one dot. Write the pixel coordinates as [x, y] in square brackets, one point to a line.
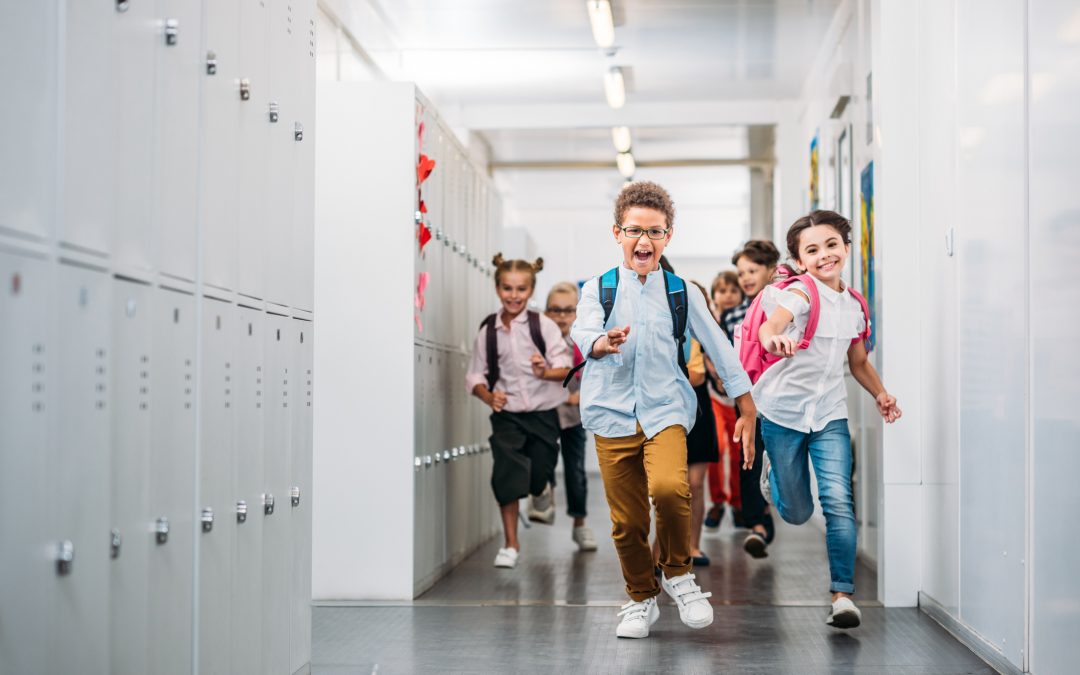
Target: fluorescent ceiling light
[627, 165]
[620, 136]
[603, 25]
[614, 87]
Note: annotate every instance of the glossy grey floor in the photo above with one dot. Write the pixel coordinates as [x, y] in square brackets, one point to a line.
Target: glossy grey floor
[557, 611]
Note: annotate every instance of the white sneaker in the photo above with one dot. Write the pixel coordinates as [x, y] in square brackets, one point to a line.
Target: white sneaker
[694, 608]
[766, 491]
[583, 537]
[506, 557]
[844, 614]
[637, 617]
[542, 507]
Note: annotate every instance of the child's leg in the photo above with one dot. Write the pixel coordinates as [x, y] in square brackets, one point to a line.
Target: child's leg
[572, 441]
[830, 451]
[696, 474]
[717, 493]
[509, 513]
[541, 448]
[790, 474]
[665, 466]
[627, 491]
[510, 470]
[734, 457]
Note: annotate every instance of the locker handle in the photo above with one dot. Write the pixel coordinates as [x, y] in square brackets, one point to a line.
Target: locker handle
[114, 543]
[245, 89]
[172, 32]
[294, 495]
[418, 462]
[298, 132]
[207, 519]
[121, 5]
[161, 530]
[446, 455]
[211, 62]
[274, 110]
[65, 557]
[427, 461]
[268, 504]
[241, 511]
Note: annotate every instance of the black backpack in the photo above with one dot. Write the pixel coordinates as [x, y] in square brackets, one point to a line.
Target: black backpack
[493, 344]
[677, 302]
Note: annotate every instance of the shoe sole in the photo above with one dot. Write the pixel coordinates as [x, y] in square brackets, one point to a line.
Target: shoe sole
[697, 625]
[755, 547]
[544, 518]
[587, 549]
[505, 567]
[844, 620]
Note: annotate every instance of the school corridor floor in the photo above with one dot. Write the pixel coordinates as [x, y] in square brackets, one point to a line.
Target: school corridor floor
[556, 613]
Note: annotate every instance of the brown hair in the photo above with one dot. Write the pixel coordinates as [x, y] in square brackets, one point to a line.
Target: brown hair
[646, 195]
[726, 278]
[502, 266]
[760, 251]
[831, 218]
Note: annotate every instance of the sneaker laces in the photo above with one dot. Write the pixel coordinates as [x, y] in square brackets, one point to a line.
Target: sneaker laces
[686, 589]
[635, 610]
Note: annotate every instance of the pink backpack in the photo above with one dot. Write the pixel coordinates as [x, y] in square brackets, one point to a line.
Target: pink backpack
[755, 359]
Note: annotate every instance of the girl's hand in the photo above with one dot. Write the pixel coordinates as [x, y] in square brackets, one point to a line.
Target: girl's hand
[609, 344]
[539, 365]
[746, 432]
[498, 400]
[886, 405]
[780, 345]
[574, 398]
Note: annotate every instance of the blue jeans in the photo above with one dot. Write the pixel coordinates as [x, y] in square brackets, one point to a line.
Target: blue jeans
[572, 442]
[830, 452]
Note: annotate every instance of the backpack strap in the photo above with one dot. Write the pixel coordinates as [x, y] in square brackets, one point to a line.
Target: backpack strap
[607, 288]
[492, 351]
[865, 335]
[677, 303]
[535, 333]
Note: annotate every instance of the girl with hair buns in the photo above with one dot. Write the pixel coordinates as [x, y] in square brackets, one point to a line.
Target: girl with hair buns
[518, 363]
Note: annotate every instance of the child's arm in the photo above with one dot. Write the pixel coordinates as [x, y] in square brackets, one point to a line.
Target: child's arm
[772, 335]
[588, 329]
[559, 360]
[716, 346]
[695, 368]
[867, 376]
[476, 376]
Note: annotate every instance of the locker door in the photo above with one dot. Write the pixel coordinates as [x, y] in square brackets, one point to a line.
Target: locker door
[216, 505]
[178, 81]
[247, 487]
[138, 35]
[277, 229]
[89, 123]
[80, 471]
[28, 65]
[220, 146]
[276, 585]
[132, 331]
[172, 482]
[25, 401]
[300, 489]
[419, 450]
[303, 220]
[254, 140]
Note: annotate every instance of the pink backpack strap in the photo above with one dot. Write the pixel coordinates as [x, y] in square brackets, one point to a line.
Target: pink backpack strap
[865, 335]
[815, 305]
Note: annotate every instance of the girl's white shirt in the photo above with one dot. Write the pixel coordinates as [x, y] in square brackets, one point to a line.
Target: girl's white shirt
[807, 391]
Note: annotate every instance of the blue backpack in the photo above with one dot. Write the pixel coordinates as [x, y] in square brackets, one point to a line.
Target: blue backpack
[677, 303]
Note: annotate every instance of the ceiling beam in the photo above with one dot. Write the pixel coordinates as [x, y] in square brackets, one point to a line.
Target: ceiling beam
[654, 164]
[590, 115]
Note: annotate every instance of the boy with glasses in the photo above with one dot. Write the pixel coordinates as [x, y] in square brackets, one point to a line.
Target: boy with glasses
[639, 404]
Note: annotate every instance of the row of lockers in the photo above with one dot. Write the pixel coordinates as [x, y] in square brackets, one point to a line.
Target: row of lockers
[155, 477]
[128, 122]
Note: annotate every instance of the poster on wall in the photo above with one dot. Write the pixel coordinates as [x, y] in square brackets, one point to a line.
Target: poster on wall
[866, 247]
[815, 178]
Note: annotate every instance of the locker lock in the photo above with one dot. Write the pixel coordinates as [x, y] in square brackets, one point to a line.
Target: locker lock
[268, 504]
[65, 556]
[207, 519]
[274, 112]
[245, 89]
[211, 63]
[418, 462]
[161, 530]
[114, 543]
[241, 511]
[469, 258]
[438, 458]
[172, 32]
[121, 5]
[446, 242]
[298, 132]
[294, 496]
[427, 461]
[418, 217]
[454, 453]
[446, 455]
[438, 235]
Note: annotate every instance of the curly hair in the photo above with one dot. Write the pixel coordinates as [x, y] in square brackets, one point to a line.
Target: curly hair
[502, 266]
[646, 195]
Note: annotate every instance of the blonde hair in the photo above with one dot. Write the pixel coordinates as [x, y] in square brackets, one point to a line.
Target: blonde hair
[502, 266]
[563, 287]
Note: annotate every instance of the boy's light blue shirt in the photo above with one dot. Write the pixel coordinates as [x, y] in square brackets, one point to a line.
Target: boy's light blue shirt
[643, 384]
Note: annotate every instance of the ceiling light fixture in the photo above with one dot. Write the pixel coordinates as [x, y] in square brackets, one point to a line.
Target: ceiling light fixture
[627, 165]
[620, 136]
[614, 87]
[603, 25]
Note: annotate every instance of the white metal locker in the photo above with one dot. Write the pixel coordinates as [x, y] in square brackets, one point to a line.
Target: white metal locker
[247, 488]
[303, 130]
[25, 485]
[216, 502]
[131, 541]
[300, 493]
[172, 481]
[276, 585]
[178, 82]
[79, 470]
[254, 141]
[138, 36]
[220, 144]
[277, 229]
[89, 126]
[28, 67]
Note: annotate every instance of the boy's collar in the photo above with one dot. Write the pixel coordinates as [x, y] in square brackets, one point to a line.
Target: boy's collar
[631, 274]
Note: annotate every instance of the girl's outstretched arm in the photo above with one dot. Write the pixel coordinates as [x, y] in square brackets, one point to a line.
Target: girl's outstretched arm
[866, 375]
[772, 335]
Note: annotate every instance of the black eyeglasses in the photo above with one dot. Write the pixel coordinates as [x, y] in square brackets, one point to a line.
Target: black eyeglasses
[653, 232]
[562, 311]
